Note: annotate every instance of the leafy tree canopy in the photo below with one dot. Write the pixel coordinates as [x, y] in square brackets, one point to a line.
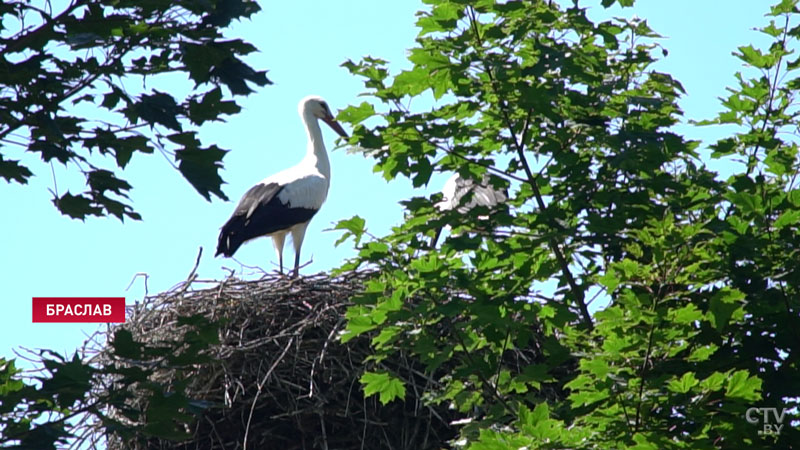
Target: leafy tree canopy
[606, 201]
[75, 90]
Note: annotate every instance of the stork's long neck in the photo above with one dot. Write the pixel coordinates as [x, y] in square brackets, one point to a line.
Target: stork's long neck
[316, 154]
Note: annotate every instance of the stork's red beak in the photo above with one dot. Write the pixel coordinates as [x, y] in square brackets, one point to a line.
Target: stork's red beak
[335, 126]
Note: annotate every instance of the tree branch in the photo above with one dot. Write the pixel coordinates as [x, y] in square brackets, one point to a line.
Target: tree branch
[772, 89]
[531, 177]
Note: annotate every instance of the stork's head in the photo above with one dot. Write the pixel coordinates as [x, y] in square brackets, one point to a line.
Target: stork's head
[317, 107]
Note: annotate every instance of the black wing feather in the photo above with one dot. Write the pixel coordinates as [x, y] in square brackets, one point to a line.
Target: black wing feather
[268, 215]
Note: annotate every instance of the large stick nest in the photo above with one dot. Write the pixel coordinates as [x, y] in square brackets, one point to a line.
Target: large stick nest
[279, 378]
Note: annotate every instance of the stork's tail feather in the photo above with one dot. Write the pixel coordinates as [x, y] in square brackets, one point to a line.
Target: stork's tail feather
[230, 238]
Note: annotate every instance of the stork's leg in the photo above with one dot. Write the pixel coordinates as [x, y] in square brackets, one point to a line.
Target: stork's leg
[298, 233]
[296, 264]
[277, 240]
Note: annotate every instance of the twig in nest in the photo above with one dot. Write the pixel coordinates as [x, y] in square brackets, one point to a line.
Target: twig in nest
[260, 387]
[324, 435]
[321, 357]
[264, 273]
[192, 275]
[137, 275]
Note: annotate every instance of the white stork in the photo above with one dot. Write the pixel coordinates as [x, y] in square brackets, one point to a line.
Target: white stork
[285, 202]
[483, 194]
[454, 190]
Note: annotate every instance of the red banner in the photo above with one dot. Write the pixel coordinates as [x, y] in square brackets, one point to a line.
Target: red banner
[78, 309]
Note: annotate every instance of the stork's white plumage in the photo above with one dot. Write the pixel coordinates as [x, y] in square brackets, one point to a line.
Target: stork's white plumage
[454, 190]
[483, 194]
[284, 203]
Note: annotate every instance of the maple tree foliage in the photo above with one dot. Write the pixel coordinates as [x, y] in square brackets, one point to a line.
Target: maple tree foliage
[607, 203]
[78, 87]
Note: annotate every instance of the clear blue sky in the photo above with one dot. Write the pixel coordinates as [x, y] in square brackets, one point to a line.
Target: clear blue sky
[302, 45]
